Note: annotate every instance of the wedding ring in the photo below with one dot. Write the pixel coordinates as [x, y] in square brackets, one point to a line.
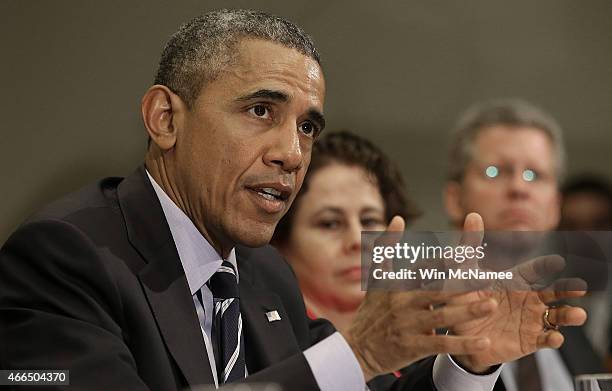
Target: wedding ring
[548, 325]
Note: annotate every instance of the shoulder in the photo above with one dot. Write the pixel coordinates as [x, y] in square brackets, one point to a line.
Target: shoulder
[96, 198]
[91, 214]
[71, 239]
[71, 225]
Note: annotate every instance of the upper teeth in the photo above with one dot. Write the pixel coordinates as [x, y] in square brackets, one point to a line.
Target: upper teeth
[271, 191]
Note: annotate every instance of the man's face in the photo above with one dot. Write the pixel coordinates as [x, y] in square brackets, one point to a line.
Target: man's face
[510, 182]
[243, 149]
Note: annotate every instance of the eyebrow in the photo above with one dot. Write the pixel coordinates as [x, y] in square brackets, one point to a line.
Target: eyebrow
[332, 209]
[278, 96]
[337, 210]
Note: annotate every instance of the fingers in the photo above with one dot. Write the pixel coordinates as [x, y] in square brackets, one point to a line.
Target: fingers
[563, 289]
[452, 344]
[473, 230]
[567, 316]
[550, 339]
[393, 233]
[391, 236]
[538, 268]
[458, 286]
[451, 315]
[432, 294]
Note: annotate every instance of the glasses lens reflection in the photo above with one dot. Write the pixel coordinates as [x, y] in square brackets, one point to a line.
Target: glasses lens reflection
[492, 172]
[529, 175]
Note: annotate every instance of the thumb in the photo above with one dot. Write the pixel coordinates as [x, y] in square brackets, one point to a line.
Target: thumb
[389, 238]
[397, 224]
[473, 230]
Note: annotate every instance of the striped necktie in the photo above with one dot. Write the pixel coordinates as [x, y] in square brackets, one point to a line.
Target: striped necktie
[228, 342]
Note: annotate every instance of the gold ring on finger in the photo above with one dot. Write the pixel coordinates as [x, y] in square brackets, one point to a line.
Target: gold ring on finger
[548, 325]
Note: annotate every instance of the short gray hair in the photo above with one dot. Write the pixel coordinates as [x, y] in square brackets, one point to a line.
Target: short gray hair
[196, 53]
[506, 112]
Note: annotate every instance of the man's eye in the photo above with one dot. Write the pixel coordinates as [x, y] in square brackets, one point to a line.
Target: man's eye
[260, 111]
[308, 128]
[530, 175]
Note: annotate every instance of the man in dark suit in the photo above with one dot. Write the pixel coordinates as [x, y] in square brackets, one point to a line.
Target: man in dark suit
[152, 282]
[506, 161]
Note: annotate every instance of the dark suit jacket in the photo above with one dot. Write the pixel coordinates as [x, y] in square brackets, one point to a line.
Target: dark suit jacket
[577, 354]
[94, 284]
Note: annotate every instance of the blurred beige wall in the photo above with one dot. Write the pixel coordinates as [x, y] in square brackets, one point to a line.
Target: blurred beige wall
[73, 72]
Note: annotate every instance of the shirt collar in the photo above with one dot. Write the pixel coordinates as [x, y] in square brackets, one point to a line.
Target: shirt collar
[199, 259]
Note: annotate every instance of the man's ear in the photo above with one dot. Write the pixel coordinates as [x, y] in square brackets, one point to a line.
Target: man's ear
[160, 109]
[452, 202]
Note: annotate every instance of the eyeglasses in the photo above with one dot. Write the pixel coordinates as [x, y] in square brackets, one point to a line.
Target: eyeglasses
[505, 171]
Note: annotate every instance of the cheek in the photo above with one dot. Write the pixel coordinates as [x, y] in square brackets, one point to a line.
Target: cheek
[299, 180]
[318, 266]
[481, 197]
[554, 210]
[316, 253]
[230, 171]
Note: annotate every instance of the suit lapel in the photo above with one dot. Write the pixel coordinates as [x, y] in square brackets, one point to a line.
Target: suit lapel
[266, 342]
[163, 279]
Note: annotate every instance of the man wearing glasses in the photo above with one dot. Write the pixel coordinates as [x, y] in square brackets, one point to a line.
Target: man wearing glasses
[506, 160]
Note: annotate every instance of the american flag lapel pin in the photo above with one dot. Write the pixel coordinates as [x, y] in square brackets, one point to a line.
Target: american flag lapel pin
[273, 316]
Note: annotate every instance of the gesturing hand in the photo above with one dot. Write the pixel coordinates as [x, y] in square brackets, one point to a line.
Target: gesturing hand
[393, 329]
[516, 328]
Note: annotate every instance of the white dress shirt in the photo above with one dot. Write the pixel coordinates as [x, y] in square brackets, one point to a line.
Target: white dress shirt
[331, 360]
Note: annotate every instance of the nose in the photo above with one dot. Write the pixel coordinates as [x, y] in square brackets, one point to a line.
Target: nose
[518, 188]
[352, 239]
[285, 150]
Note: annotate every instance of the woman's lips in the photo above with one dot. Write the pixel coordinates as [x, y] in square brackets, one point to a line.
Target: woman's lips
[352, 273]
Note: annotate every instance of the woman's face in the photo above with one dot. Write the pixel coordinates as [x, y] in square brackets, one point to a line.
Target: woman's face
[324, 243]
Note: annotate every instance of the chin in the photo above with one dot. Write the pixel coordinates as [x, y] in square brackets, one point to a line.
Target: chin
[254, 235]
[350, 302]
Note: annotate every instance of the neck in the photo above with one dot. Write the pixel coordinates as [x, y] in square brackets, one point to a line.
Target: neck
[340, 319]
[161, 171]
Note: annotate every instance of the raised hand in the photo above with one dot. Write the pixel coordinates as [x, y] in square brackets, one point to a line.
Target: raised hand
[517, 327]
[393, 329]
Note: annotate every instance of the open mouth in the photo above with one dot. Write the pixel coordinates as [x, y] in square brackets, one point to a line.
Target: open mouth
[271, 197]
[271, 194]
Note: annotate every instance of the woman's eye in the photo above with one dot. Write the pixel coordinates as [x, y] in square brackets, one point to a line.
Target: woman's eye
[260, 111]
[331, 224]
[372, 223]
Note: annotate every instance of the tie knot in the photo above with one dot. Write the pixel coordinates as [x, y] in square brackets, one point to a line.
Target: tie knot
[223, 284]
